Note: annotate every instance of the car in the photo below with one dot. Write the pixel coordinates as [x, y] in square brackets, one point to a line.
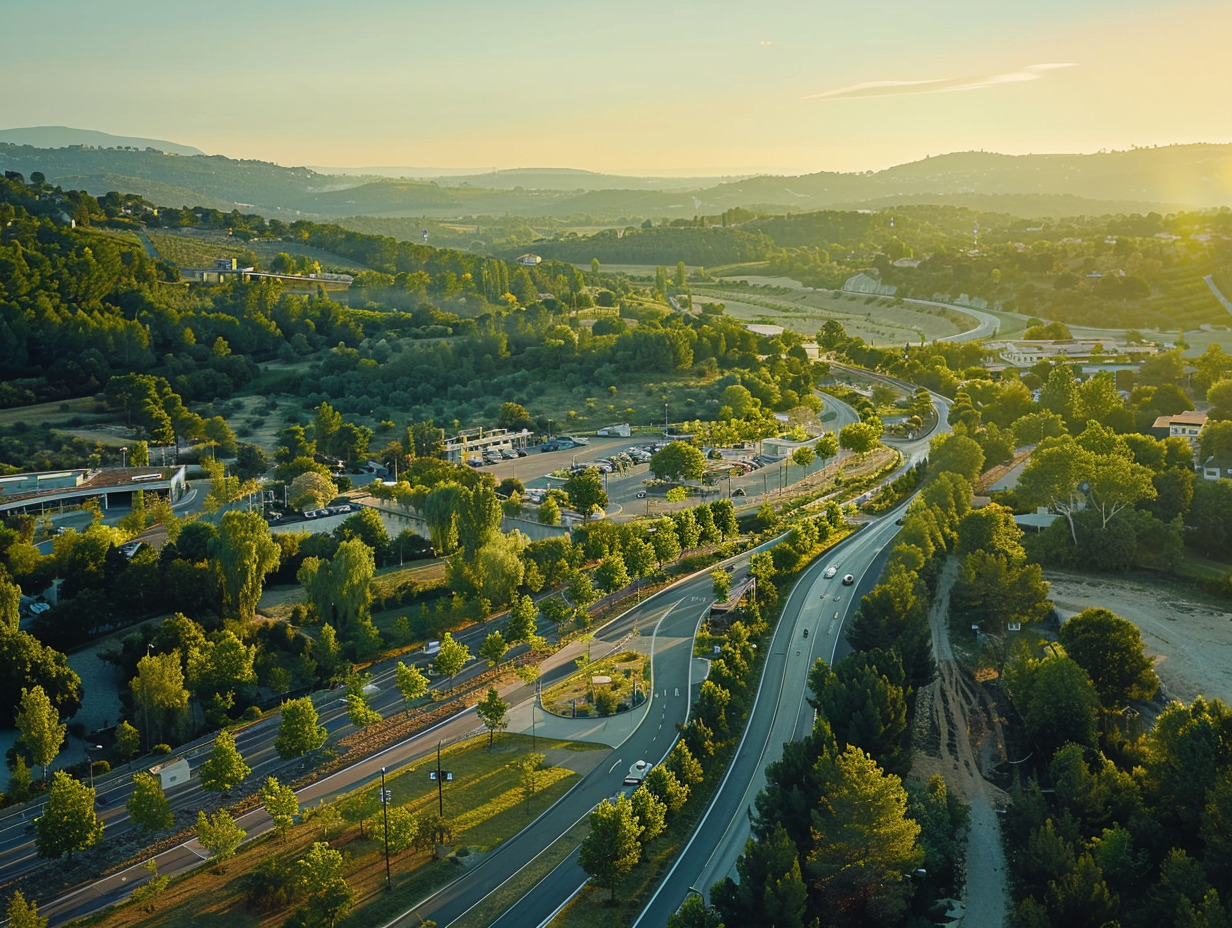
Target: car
[899, 521]
[806, 633]
[519, 453]
[848, 580]
[474, 462]
[637, 773]
[641, 494]
[830, 571]
[739, 491]
[508, 455]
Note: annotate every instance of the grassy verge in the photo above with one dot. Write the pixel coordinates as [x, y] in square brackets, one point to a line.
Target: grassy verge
[505, 896]
[484, 803]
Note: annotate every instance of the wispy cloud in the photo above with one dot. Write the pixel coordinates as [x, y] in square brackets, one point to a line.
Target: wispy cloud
[1030, 72]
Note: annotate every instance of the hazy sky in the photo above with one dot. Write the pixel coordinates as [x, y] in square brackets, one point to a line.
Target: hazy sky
[637, 86]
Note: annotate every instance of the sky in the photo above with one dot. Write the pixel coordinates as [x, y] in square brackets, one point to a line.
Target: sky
[631, 87]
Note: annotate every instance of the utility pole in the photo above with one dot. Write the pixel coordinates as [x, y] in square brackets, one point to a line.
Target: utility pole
[385, 796]
[440, 784]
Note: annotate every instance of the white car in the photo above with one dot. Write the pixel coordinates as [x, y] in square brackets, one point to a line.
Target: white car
[637, 773]
[830, 571]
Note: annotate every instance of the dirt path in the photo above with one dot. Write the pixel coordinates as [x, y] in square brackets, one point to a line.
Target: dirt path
[958, 734]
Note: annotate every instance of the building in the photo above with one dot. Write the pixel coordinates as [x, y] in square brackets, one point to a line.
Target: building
[1214, 468]
[37, 492]
[473, 444]
[1183, 425]
[622, 431]
[529, 260]
[222, 270]
[1027, 352]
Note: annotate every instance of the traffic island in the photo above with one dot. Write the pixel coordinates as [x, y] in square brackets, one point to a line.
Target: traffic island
[605, 687]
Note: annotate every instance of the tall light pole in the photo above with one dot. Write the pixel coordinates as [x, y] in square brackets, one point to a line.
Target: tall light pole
[124, 457]
[385, 796]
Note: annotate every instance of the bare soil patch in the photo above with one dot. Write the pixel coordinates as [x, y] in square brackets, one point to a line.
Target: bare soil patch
[1188, 635]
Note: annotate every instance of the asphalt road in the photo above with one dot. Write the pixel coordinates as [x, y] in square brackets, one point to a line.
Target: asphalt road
[780, 712]
[673, 616]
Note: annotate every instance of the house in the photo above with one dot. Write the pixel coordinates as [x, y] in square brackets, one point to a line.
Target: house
[1214, 468]
[529, 260]
[1184, 425]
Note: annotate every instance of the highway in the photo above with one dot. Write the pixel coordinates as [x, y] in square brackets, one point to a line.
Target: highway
[672, 617]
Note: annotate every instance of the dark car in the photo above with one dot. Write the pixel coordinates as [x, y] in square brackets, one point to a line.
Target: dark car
[848, 580]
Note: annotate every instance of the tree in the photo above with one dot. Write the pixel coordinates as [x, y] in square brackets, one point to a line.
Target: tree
[864, 700]
[803, 456]
[859, 438]
[667, 788]
[402, 832]
[611, 574]
[581, 592]
[24, 914]
[678, 461]
[611, 848]
[586, 493]
[299, 732]
[411, 683]
[68, 822]
[127, 740]
[549, 512]
[159, 694]
[1056, 701]
[217, 667]
[528, 766]
[639, 557]
[148, 892]
[651, 813]
[40, 727]
[451, 658]
[720, 585]
[956, 454]
[493, 712]
[225, 767]
[1219, 395]
[826, 447]
[340, 589]
[359, 707]
[280, 803]
[864, 844]
[493, 649]
[310, 490]
[770, 890]
[219, 835]
[521, 624]
[148, 805]
[1109, 648]
[250, 461]
[320, 876]
[694, 913]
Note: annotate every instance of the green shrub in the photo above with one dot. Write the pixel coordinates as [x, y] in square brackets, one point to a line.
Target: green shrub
[161, 749]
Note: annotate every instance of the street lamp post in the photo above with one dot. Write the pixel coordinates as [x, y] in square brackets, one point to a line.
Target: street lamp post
[124, 457]
[90, 760]
[385, 797]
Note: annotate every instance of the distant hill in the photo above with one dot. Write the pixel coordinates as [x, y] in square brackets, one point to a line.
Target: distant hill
[1142, 180]
[64, 136]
